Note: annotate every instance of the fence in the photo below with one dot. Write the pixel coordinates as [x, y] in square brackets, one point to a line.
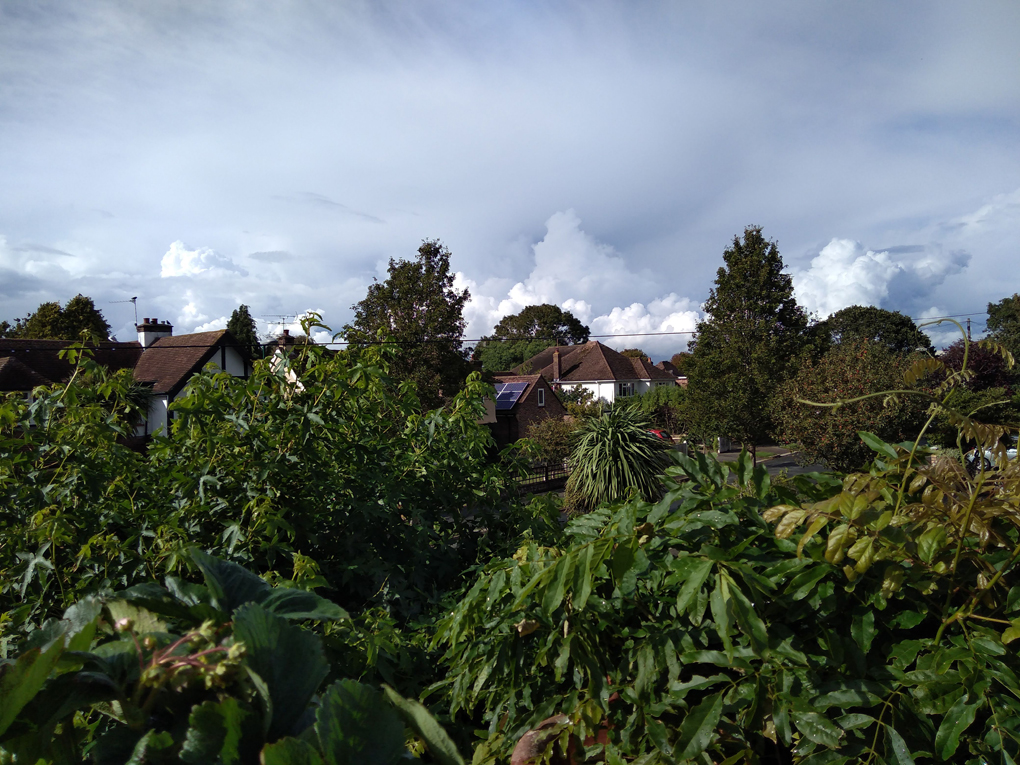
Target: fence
[543, 477]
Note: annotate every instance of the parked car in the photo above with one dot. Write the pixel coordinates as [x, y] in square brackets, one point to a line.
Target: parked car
[986, 459]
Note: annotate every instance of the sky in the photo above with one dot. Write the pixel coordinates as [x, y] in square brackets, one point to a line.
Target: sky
[596, 155]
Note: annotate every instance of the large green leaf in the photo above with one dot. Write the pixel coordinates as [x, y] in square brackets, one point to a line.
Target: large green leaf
[230, 585]
[897, 751]
[290, 751]
[818, 728]
[302, 604]
[151, 748]
[698, 727]
[421, 721]
[21, 680]
[956, 721]
[357, 726]
[288, 658]
[214, 733]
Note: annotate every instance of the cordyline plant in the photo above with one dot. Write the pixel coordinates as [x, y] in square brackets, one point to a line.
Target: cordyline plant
[614, 454]
[695, 630]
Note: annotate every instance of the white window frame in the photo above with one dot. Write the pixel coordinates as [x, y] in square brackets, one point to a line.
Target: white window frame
[541, 396]
[625, 389]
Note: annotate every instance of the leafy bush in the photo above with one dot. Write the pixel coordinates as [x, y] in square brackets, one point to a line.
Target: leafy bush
[554, 437]
[664, 406]
[848, 370]
[199, 674]
[613, 455]
[693, 630]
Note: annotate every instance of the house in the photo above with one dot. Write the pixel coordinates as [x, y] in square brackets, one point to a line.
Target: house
[520, 401]
[157, 359]
[669, 366]
[167, 364]
[609, 375]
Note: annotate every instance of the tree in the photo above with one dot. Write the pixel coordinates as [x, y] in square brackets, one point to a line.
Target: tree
[987, 367]
[744, 348]
[682, 362]
[1004, 323]
[520, 336]
[849, 369]
[864, 322]
[665, 406]
[51, 322]
[418, 308]
[634, 353]
[242, 326]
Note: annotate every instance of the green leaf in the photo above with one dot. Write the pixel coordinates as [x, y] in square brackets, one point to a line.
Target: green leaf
[877, 445]
[862, 629]
[657, 733]
[696, 576]
[698, 727]
[418, 719]
[357, 727]
[956, 721]
[582, 578]
[214, 733]
[744, 467]
[623, 559]
[554, 592]
[719, 604]
[148, 748]
[289, 660]
[302, 604]
[143, 621]
[290, 751]
[818, 728]
[20, 681]
[896, 749]
[230, 585]
[931, 543]
[804, 583]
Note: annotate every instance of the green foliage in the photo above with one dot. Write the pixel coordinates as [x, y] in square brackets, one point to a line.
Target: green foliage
[521, 336]
[682, 362]
[418, 309]
[51, 322]
[665, 406]
[849, 370]
[388, 504]
[635, 353]
[891, 329]
[190, 673]
[1004, 323]
[695, 630]
[744, 349]
[580, 402]
[614, 456]
[554, 438]
[242, 326]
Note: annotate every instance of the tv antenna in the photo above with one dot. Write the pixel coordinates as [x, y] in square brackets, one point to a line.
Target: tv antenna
[133, 301]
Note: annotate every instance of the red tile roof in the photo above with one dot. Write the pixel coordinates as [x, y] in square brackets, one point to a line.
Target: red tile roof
[170, 361]
[42, 357]
[593, 361]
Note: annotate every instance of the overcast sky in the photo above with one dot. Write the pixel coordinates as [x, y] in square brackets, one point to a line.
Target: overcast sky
[598, 155]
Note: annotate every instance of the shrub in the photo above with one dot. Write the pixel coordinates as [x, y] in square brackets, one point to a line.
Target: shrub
[554, 436]
[613, 455]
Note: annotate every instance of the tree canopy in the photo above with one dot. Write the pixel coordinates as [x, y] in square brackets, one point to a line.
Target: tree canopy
[518, 337]
[1004, 323]
[634, 353]
[892, 329]
[419, 309]
[242, 326]
[51, 322]
[744, 347]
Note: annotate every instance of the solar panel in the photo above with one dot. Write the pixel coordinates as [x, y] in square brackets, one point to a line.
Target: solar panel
[508, 393]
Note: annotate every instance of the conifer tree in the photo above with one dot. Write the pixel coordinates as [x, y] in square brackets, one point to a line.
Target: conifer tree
[242, 326]
[745, 347]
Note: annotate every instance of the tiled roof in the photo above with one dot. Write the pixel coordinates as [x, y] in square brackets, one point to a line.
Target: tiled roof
[43, 357]
[593, 361]
[170, 361]
[16, 376]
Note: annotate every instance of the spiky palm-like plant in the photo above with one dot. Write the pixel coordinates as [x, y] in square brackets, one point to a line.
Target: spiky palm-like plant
[612, 454]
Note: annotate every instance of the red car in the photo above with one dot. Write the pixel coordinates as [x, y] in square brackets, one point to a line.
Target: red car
[660, 434]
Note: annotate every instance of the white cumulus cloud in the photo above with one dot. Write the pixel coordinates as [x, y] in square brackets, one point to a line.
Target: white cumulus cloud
[179, 260]
[844, 273]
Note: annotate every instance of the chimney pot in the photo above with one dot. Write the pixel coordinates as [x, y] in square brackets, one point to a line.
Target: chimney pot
[286, 333]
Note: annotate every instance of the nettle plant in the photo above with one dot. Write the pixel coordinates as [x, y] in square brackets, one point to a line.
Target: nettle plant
[721, 625]
[223, 672]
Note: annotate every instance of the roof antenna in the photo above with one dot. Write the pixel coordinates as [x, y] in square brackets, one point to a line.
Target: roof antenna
[134, 302]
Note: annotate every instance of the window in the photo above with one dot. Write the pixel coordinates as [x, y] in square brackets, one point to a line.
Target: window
[541, 396]
[625, 389]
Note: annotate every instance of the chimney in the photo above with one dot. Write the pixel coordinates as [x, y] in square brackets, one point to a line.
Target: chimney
[556, 365]
[151, 330]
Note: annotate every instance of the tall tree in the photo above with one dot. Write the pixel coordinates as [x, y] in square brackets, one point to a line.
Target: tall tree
[744, 347]
[635, 353]
[242, 326]
[1004, 323]
[520, 336]
[51, 322]
[892, 329]
[418, 308]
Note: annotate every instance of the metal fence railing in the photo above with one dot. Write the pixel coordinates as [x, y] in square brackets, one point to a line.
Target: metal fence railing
[540, 474]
